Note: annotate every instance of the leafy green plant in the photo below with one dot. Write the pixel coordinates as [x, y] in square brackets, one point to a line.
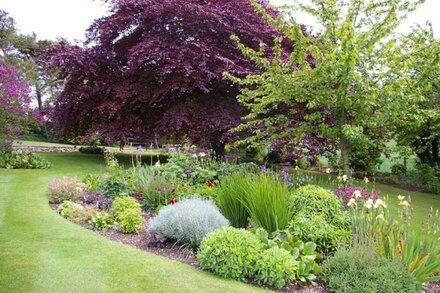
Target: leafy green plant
[361, 270]
[92, 149]
[124, 203]
[230, 253]
[75, 212]
[92, 181]
[276, 267]
[303, 253]
[130, 220]
[188, 221]
[231, 196]
[102, 221]
[267, 201]
[113, 187]
[22, 160]
[66, 188]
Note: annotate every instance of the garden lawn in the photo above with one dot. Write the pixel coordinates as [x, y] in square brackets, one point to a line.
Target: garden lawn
[42, 252]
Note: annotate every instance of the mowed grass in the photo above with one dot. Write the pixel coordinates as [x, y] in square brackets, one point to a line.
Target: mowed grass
[42, 252]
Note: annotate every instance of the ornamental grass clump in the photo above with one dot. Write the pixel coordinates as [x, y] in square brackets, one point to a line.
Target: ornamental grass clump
[231, 196]
[267, 202]
[188, 221]
[66, 188]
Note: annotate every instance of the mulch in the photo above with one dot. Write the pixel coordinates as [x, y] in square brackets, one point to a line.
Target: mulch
[187, 256]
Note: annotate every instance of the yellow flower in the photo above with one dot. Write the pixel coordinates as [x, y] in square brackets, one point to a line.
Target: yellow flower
[404, 203]
[366, 180]
[379, 203]
[328, 170]
[380, 217]
[351, 202]
[357, 194]
[344, 177]
[401, 197]
[369, 204]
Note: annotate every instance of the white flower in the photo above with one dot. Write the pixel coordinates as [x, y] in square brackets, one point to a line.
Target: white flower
[366, 180]
[194, 155]
[380, 217]
[357, 194]
[344, 177]
[202, 154]
[351, 202]
[328, 170]
[401, 197]
[157, 163]
[369, 204]
[296, 167]
[404, 203]
[379, 203]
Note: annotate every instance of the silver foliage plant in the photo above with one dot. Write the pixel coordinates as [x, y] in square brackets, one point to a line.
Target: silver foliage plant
[188, 221]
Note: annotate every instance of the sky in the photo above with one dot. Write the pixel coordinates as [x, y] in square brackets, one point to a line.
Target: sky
[51, 19]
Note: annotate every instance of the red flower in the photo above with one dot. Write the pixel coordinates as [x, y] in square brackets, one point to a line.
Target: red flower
[173, 191]
[173, 201]
[209, 184]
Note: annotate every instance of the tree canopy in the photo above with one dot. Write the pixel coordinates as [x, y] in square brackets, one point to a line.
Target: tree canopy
[154, 68]
[357, 91]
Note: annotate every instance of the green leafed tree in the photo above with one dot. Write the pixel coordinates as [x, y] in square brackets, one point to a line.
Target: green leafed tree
[354, 78]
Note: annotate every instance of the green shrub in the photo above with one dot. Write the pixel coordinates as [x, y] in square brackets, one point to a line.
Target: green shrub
[92, 149]
[101, 221]
[130, 221]
[276, 267]
[318, 216]
[123, 203]
[315, 200]
[22, 160]
[127, 211]
[267, 201]
[231, 197]
[75, 212]
[361, 270]
[315, 228]
[188, 221]
[66, 188]
[113, 187]
[230, 253]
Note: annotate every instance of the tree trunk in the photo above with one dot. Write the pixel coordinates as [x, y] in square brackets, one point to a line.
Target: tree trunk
[345, 153]
[40, 108]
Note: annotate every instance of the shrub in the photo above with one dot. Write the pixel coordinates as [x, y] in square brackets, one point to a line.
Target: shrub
[346, 193]
[95, 198]
[267, 201]
[124, 203]
[130, 220]
[230, 253]
[188, 221]
[275, 267]
[75, 212]
[398, 169]
[361, 270]
[101, 221]
[315, 228]
[67, 188]
[22, 160]
[231, 196]
[127, 211]
[113, 187]
[92, 149]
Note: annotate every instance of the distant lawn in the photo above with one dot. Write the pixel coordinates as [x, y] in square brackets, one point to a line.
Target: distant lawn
[42, 252]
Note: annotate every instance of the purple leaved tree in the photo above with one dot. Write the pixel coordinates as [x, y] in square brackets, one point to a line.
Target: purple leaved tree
[154, 69]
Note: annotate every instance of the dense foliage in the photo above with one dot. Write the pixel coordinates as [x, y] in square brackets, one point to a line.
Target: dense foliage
[360, 269]
[22, 160]
[154, 68]
[127, 212]
[188, 221]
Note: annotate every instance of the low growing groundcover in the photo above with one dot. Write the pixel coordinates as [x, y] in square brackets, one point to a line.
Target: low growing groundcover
[42, 252]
